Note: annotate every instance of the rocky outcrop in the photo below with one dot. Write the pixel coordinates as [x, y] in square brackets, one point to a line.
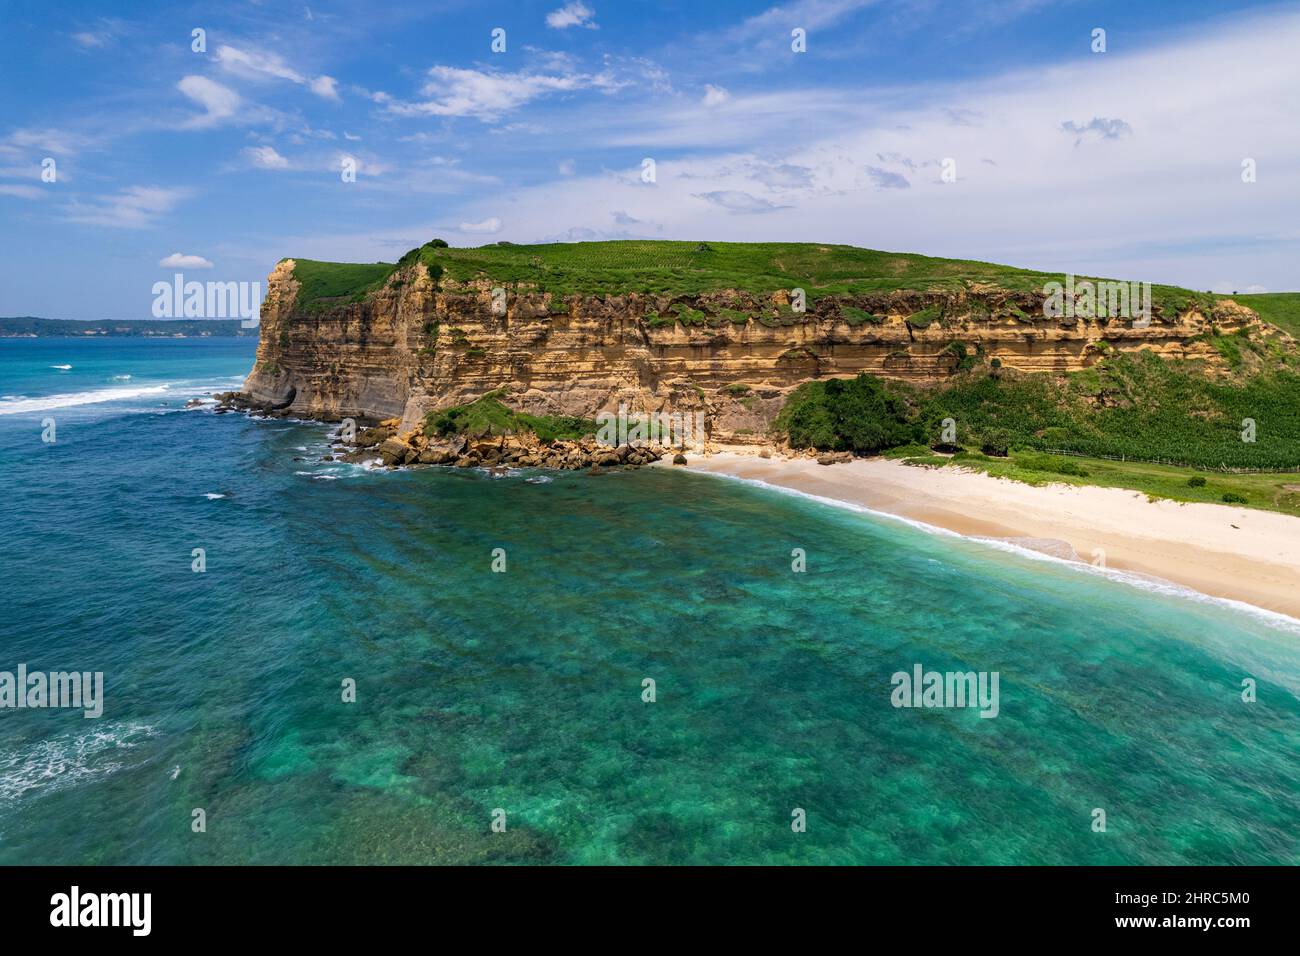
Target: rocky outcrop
[395, 447]
[416, 345]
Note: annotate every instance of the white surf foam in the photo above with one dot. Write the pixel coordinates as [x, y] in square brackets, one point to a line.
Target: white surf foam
[69, 399]
[1134, 579]
[69, 759]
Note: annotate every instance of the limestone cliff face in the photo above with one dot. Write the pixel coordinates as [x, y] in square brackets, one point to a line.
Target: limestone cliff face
[414, 345]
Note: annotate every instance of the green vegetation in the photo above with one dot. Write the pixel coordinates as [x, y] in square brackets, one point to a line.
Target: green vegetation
[687, 268]
[996, 443]
[855, 316]
[426, 254]
[1273, 492]
[924, 318]
[688, 316]
[488, 416]
[1130, 405]
[333, 283]
[1280, 308]
[965, 361]
[862, 415]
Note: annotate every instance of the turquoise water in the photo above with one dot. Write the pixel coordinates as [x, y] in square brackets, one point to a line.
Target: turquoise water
[522, 690]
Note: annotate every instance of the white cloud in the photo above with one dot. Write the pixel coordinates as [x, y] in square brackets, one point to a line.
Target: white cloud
[219, 102]
[57, 141]
[131, 208]
[265, 157]
[90, 40]
[179, 260]
[714, 95]
[738, 201]
[22, 192]
[325, 87]
[887, 179]
[566, 167]
[255, 64]
[1127, 205]
[488, 226]
[454, 91]
[576, 14]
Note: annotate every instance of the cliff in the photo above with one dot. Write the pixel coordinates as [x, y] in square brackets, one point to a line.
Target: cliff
[399, 340]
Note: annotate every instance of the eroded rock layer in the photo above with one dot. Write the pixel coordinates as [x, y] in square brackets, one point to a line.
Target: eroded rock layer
[414, 345]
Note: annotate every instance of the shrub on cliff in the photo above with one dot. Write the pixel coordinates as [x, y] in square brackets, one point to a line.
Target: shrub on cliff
[862, 415]
[487, 416]
[426, 254]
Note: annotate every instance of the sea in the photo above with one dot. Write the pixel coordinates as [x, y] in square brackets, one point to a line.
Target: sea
[311, 662]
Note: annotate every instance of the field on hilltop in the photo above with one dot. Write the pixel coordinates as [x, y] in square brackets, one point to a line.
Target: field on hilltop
[669, 267]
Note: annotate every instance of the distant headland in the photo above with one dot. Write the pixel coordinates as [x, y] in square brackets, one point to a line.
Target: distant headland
[31, 327]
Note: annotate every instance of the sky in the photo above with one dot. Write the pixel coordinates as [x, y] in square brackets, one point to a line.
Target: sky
[130, 150]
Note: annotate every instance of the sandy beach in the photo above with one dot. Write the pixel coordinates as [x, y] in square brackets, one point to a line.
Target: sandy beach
[1228, 552]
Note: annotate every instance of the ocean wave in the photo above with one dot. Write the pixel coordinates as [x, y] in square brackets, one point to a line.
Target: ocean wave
[70, 759]
[1134, 579]
[62, 368]
[69, 399]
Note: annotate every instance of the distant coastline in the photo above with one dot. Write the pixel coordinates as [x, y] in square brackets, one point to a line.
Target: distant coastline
[31, 327]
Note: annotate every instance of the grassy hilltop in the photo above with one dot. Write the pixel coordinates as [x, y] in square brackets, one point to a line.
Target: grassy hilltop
[685, 268]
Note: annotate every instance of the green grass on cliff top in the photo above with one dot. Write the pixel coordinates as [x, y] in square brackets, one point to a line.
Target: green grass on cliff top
[686, 268]
[1280, 308]
[336, 283]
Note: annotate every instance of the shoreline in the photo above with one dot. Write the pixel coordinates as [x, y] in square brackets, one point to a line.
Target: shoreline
[1238, 554]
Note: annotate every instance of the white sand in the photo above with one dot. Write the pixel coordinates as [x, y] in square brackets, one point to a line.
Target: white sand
[1239, 553]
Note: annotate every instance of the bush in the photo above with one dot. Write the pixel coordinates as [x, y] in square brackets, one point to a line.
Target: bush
[1196, 481]
[487, 416]
[1232, 498]
[862, 415]
[996, 444]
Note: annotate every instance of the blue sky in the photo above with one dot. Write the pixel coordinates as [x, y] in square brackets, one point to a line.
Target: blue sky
[1124, 163]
